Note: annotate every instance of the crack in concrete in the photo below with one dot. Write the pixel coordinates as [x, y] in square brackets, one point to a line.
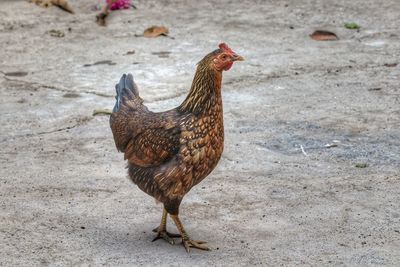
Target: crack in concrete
[59, 130]
[37, 85]
[81, 121]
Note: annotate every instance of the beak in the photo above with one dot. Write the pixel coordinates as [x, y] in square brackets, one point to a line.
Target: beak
[237, 58]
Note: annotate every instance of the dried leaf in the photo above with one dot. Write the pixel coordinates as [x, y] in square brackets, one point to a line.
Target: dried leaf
[324, 36]
[42, 3]
[155, 31]
[63, 5]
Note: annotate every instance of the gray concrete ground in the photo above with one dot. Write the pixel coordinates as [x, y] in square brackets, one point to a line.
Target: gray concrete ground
[64, 196]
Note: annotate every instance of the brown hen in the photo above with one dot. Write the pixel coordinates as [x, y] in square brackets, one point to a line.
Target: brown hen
[170, 152]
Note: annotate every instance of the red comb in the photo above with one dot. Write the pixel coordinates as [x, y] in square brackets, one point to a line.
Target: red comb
[224, 47]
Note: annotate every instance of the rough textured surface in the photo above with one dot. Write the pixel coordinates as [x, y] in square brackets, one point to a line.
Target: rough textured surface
[64, 195]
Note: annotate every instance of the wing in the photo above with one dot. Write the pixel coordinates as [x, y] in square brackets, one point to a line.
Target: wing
[156, 143]
[146, 138]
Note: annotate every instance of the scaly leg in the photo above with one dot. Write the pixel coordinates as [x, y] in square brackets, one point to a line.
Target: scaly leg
[186, 241]
[162, 230]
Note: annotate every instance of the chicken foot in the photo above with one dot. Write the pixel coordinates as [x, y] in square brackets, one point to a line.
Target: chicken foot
[162, 230]
[186, 240]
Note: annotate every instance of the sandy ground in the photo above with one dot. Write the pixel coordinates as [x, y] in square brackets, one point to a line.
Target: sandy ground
[64, 196]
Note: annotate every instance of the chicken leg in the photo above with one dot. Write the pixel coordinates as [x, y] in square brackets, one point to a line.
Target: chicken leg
[186, 240]
[162, 230]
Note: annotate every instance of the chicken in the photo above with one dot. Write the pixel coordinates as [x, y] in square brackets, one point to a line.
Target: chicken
[170, 152]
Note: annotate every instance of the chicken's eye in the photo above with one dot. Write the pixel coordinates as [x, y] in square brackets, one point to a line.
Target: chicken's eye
[224, 57]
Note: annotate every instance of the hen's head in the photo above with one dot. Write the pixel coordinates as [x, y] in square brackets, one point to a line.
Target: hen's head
[222, 58]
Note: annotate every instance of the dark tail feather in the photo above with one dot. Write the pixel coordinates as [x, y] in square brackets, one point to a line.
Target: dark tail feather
[125, 88]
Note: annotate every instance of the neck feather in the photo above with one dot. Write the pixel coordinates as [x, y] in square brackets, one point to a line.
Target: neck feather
[205, 91]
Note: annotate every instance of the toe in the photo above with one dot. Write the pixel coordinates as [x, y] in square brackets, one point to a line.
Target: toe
[169, 240]
[194, 244]
[199, 246]
[164, 235]
[200, 242]
[186, 245]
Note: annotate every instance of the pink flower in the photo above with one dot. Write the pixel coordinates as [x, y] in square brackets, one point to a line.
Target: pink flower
[119, 4]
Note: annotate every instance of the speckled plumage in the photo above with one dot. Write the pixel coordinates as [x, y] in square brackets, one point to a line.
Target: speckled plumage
[170, 152]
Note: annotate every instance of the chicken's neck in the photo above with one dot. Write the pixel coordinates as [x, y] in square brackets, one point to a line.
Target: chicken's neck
[205, 92]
